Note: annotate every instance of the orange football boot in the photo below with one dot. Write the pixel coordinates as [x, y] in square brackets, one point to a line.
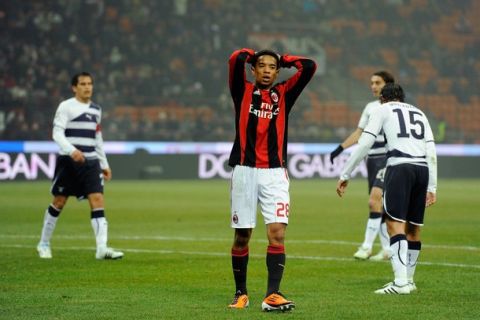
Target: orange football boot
[240, 301]
[276, 301]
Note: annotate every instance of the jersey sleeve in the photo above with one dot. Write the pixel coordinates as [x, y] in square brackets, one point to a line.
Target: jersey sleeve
[431, 157]
[364, 144]
[295, 84]
[59, 125]
[375, 122]
[102, 157]
[236, 72]
[362, 123]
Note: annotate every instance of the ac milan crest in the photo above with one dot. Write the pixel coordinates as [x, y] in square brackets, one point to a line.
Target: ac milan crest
[274, 97]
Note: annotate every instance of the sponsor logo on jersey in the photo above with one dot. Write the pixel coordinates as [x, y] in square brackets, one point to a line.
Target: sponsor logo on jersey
[266, 110]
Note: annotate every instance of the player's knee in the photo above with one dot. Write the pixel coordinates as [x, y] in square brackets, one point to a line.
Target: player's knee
[59, 202]
[375, 204]
[395, 227]
[96, 200]
[276, 234]
[375, 200]
[241, 239]
[276, 241]
[413, 232]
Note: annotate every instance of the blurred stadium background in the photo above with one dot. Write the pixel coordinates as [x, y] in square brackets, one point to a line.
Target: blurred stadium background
[160, 67]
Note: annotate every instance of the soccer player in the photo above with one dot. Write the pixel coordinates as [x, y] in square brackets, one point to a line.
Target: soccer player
[258, 158]
[410, 179]
[376, 161]
[81, 166]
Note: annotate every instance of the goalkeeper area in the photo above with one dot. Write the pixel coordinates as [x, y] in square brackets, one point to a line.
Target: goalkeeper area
[176, 237]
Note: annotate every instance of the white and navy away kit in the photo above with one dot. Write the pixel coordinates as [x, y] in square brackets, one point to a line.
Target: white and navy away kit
[77, 126]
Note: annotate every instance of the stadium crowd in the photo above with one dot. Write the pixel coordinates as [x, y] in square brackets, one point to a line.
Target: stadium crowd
[160, 67]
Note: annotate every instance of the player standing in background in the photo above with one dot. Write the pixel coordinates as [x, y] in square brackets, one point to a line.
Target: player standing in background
[258, 158]
[410, 179]
[81, 166]
[376, 161]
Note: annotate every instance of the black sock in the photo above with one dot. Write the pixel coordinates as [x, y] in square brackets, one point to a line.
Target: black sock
[97, 213]
[375, 215]
[275, 265]
[414, 245]
[54, 212]
[239, 266]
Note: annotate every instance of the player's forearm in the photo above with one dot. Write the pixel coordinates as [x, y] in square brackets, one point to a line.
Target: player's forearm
[431, 156]
[236, 70]
[240, 56]
[288, 61]
[296, 83]
[59, 137]
[102, 157]
[364, 144]
[352, 138]
[304, 65]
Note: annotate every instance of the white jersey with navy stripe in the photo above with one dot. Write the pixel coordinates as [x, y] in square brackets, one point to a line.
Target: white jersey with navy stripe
[378, 147]
[408, 136]
[407, 130]
[77, 126]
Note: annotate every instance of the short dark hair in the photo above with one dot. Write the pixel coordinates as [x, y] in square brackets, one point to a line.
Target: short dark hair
[385, 75]
[392, 92]
[76, 76]
[266, 52]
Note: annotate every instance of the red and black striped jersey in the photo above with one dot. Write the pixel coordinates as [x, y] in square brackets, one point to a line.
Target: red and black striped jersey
[261, 116]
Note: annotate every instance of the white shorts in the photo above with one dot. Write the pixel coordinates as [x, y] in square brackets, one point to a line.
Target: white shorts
[253, 186]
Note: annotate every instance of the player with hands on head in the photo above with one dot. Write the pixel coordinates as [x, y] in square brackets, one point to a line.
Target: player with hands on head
[410, 179]
[258, 158]
[81, 167]
[376, 161]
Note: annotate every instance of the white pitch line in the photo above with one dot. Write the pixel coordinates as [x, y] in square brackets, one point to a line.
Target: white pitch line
[207, 239]
[224, 254]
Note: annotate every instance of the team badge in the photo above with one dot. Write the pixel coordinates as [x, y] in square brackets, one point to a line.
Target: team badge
[235, 218]
[274, 97]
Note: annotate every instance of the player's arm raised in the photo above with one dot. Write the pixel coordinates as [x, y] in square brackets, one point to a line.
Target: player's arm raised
[295, 84]
[236, 71]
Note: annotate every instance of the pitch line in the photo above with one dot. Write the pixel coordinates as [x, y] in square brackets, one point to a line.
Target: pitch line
[208, 239]
[226, 255]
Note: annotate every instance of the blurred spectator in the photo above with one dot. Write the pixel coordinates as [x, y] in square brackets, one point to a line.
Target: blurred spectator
[173, 54]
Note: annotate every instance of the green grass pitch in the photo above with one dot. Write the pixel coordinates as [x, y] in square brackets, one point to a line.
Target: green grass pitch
[176, 238]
